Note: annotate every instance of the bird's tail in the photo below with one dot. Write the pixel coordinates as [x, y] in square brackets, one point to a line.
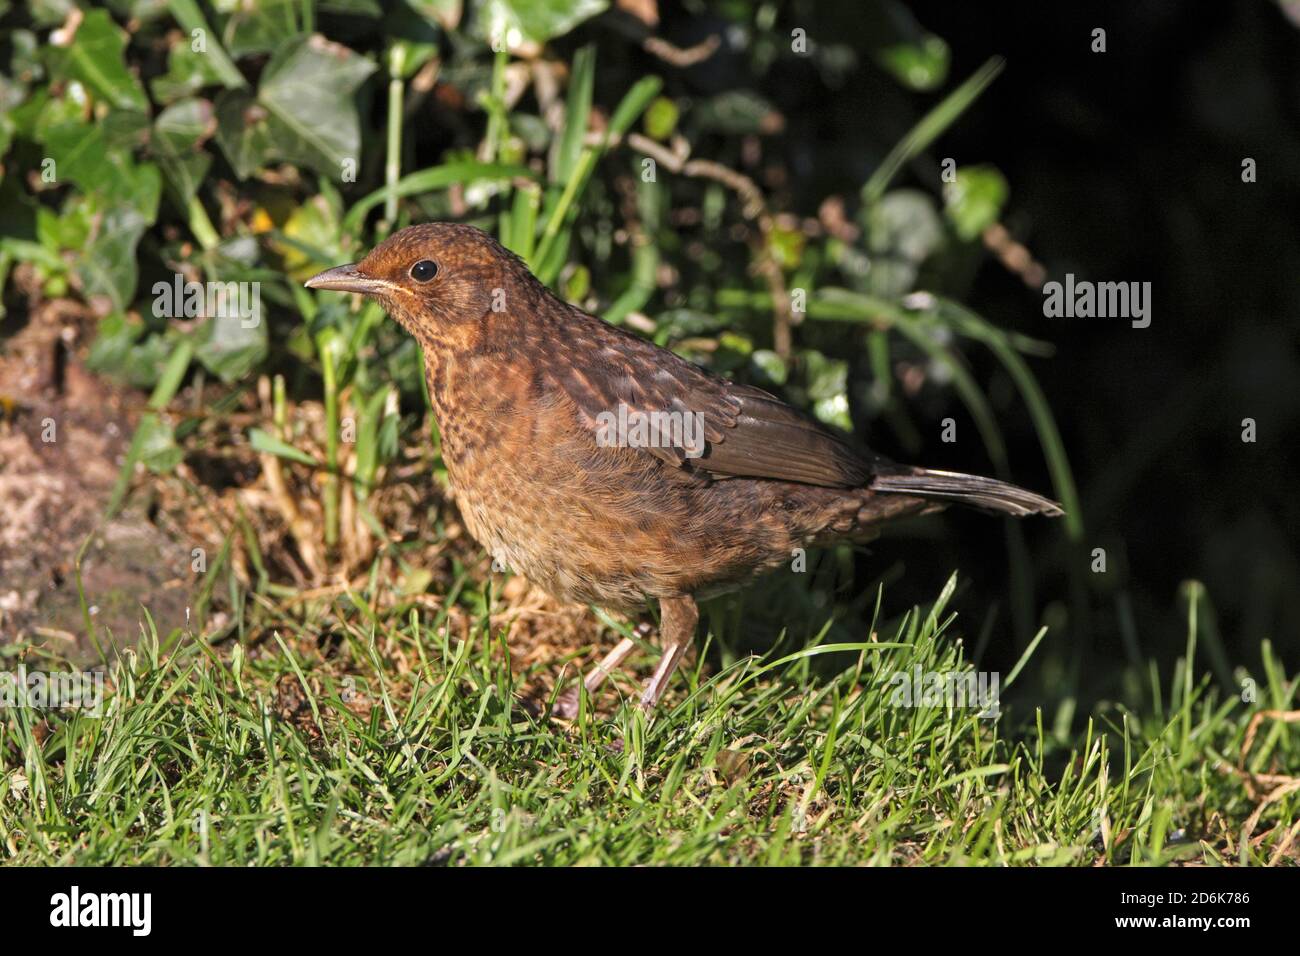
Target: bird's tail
[987, 494]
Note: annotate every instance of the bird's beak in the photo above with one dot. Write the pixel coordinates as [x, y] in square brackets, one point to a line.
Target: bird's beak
[347, 278]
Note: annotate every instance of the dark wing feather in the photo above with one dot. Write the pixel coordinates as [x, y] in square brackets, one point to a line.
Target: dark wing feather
[748, 432]
[772, 440]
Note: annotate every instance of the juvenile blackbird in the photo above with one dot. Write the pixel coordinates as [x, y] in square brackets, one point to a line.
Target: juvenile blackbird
[610, 471]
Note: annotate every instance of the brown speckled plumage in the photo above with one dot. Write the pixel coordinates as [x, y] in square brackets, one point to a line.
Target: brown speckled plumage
[519, 379]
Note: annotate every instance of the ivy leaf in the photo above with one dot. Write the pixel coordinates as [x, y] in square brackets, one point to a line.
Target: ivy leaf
[903, 230]
[260, 27]
[69, 229]
[108, 264]
[80, 155]
[187, 73]
[303, 113]
[49, 13]
[828, 388]
[231, 347]
[117, 352]
[312, 226]
[157, 443]
[533, 20]
[177, 133]
[244, 132]
[445, 13]
[308, 87]
[25, 64]
[95, 57]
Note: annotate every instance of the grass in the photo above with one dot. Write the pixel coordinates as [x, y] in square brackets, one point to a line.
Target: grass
[396, 744]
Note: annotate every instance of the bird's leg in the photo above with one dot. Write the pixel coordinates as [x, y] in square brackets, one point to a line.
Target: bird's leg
[567, 704]
[677, 619]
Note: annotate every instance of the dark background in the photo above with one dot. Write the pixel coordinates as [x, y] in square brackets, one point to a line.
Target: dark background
[1123, 166]
[1127, 166]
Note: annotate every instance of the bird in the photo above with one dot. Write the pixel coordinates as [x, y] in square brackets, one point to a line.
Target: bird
[612, 472]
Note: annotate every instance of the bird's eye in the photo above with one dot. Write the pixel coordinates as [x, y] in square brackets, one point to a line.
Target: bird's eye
[424, 270]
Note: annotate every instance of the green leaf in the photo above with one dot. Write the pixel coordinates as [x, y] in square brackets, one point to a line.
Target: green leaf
[6, 133]
[771, 365]
[930, 127]
[260, 27]
[25, 64]
[550, 253]
[187, 73]
[737, 113]
[433, 178]
[49, 13]
[82, 154]
[902, 47]
[904, 223]
[44, 112]
[532, 20]
[376, 440]
[118, 351]
[33, 252]
[828, 388]
[310, 238]
[684, 323]
[157, 445]
[974, 201]
[303, 113]
[269, 444]
[230, 346]
[405, 57]
[633, 105]
[919, 65]
[70, 229]
[308, 87]
[244, 132]
[661, 118]
[445, 13]
[178, 133]
[353, 8]
[577, 111]
[124, 130]
[190, 17]
[903, 230]
[108, 265]
[168, 382]
[95, 57]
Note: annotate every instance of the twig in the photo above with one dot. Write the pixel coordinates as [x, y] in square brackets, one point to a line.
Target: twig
[1285, 844]
[1014, 256]
[1286, 716]
[1286, 785]
[753, 207]
[677, 56]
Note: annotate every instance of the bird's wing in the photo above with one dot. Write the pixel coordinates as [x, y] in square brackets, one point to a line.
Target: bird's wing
[746, 431]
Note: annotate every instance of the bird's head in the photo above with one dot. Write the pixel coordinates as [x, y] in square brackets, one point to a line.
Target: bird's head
[433, 278]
